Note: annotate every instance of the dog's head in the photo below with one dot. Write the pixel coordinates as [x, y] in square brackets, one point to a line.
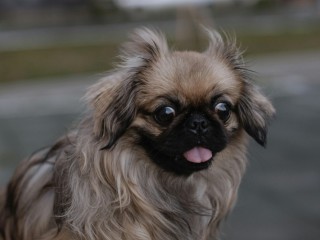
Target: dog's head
[181, 108]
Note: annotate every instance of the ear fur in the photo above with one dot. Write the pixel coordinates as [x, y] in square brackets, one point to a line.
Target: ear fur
[254, 110]
[225, 48]
[113, 99]
[114, 110]
[145, 47]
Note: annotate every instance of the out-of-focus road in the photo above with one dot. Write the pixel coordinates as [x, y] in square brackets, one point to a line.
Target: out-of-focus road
[280, 195]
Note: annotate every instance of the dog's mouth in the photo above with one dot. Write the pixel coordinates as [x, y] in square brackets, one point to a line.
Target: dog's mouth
[193, 160]
[190, 159]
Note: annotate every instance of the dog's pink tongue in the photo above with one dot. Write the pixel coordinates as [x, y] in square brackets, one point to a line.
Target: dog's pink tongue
[198, 155]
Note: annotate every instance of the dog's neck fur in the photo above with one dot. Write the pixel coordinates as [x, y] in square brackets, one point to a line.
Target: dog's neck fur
[170, 207]
[98, 194]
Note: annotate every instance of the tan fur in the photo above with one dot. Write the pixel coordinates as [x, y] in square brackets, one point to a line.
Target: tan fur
[98, 183]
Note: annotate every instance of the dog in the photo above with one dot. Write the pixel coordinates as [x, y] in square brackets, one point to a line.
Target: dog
[159, 153]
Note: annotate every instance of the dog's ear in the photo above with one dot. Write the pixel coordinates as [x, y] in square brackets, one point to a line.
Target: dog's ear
[113, 103]
[255, 111]
[146, 46]
[113, 99]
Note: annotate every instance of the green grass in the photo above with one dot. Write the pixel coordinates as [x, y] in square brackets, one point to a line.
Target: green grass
[65, 60]
[284, 42]
[55, 61]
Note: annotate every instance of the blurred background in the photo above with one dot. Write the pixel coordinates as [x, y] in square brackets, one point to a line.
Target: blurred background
[52, 50]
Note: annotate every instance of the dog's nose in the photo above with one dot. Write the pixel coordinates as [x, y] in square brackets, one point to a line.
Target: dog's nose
[197, 124]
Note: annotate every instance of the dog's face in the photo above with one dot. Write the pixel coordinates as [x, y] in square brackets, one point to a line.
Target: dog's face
[187, 111]
[181, 108]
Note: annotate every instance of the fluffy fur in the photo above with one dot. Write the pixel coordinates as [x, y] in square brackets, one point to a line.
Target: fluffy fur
[98, 181]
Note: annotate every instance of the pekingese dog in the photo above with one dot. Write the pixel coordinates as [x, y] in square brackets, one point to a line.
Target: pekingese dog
[158, 155]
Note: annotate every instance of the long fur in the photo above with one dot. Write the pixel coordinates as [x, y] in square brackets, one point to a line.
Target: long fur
[96, 183]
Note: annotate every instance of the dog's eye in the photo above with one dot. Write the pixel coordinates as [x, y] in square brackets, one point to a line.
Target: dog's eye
[223, 110]
[164, 115]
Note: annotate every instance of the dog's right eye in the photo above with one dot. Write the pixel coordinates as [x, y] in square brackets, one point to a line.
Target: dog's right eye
[164, 115]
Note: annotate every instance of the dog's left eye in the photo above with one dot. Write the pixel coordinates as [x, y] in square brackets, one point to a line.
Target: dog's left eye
[164, 115]
[223, 110]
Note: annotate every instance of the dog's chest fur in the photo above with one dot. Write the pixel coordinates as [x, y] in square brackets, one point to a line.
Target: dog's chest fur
[141, 202]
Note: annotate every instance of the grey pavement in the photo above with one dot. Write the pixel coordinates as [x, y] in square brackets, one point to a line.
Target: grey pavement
[280, 195]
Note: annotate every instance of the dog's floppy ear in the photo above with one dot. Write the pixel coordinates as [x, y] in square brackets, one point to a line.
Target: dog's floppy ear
[113, 103]
[255, 111]
[113, 99]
